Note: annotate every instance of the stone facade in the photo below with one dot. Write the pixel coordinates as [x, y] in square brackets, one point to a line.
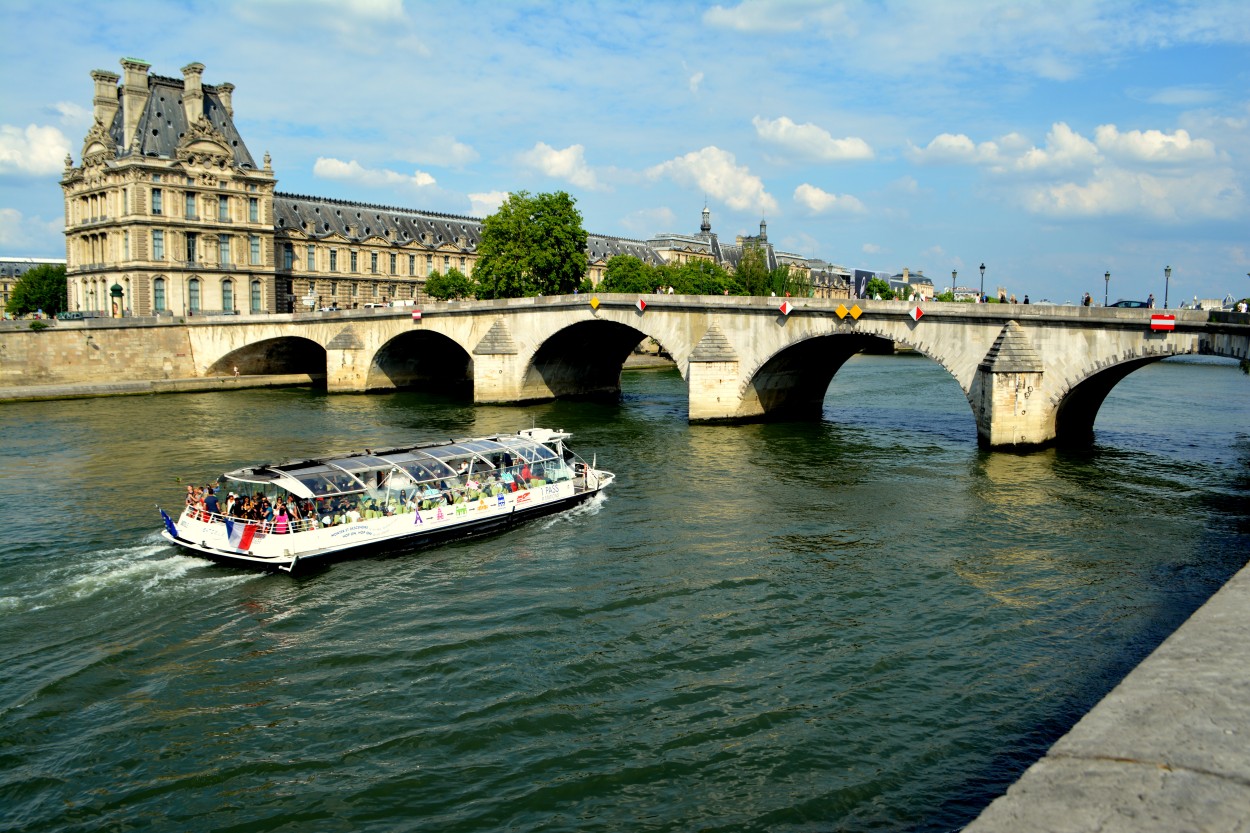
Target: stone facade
[169, 214]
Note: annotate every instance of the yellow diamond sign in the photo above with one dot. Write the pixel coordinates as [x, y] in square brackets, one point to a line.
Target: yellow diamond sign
[594, 302]
[841, 310]
[856, 312]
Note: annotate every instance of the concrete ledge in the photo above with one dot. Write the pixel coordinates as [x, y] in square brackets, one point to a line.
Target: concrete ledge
[83, 391]
[1167, 750]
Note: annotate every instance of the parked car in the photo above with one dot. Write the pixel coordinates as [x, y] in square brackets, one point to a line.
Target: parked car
[1132, 304]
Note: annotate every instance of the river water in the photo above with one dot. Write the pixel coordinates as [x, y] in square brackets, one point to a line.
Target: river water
[864, 623]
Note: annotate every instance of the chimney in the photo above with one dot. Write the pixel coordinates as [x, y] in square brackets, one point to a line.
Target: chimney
[134, 99]
[224, 92]
[105, 103]
[193, 92]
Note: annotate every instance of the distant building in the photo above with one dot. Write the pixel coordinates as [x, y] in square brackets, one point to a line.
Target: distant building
[12, 268]
[169, 213]
[908, 283]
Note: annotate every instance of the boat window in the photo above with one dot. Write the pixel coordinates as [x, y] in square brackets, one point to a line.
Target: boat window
[326, 480]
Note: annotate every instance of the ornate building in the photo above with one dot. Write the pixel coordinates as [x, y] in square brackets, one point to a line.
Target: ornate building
[169, 214]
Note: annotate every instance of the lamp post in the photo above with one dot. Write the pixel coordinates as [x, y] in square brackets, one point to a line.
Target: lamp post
[954, 274]
[1107, 288]
[981, 297]
[1167, 279]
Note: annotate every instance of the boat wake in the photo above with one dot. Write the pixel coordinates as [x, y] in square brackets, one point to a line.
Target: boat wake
[148, 567]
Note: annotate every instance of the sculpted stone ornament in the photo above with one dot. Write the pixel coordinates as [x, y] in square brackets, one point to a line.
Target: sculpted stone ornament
[98, 146]
[204, 144]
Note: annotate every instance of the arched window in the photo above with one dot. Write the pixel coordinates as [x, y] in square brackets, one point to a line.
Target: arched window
[193, 293]
[256, 296]
[158, 295]
[227, 295]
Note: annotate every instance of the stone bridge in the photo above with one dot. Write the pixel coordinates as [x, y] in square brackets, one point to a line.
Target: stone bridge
[1033, 375]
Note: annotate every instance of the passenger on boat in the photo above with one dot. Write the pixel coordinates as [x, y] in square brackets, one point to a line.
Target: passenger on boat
[281, 523]
[210, 504]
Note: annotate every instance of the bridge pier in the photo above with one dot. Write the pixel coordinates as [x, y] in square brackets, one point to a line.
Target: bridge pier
[1006, 394]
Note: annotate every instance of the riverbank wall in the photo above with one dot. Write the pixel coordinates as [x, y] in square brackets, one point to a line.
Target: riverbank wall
[83, 353]
[1167, 750]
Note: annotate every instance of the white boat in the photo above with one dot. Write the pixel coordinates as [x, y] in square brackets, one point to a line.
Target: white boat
[392, 500]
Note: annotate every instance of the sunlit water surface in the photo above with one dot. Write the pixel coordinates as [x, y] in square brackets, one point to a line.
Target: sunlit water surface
[864, 623]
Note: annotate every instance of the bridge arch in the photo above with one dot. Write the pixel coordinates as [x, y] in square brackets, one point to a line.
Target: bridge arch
[583, 359]
[1078, 408]
[792, 382]
[421, 359]
[273, 356]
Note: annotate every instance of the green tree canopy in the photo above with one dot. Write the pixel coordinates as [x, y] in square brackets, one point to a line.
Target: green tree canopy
[876, 287]
[701, 277]
[41, 288]
[626, 273]
[450, 286]
[753, 273]
[533, 245]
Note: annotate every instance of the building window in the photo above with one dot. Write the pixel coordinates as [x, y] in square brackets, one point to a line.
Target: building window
[429, 265]
[311, 264]
[190, 214]
[288, 256]
[373, 287]
[193, 294]
[158, 245]
[462, 265]
[227, 295]
[126, 245]
[253, 210]
[334, 260]
[190, 247]
[223, 209]
[223, 250]
[158, 295]
[393, 261]
[156, 200]
[354, 288]
[254, 245]
[412, 265]
[353, 261]
[373, 262]
[256, 296]
[446, 264]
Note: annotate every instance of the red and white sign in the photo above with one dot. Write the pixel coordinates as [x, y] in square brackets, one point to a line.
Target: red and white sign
[1162, 322]
[416, 315]
[642, 305]
[785, 307]
[916, 312]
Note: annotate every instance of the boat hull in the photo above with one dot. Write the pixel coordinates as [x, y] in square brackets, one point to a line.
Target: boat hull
[395, 534]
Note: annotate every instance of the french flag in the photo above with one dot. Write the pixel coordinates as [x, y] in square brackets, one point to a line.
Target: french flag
[240, 535]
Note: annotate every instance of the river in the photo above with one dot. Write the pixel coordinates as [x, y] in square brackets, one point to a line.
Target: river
[865, 623]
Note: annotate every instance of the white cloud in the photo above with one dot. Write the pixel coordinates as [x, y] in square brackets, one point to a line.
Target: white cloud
[954, 149]
[1065, 148]
[33, 151]
[770, 16]
[809, 141]
[1109, 192]
[818, 201]
[486, 203]
[353, 171]
[648, 221]
[695, 81]
[445, 151]
[717, 173]
[568, 164]
[871, 249]
[1152, 145]
[73, 115]
[29, 235]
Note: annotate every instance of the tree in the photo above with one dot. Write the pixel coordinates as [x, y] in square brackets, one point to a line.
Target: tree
[452, 285]
[753, 273]
[626, 273]
[533, 245]
[41, 288]
[876, 287]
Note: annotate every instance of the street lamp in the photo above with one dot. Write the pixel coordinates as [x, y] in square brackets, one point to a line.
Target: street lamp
[981, 297]
[1107, 287]
[1167, 278]
[954, 274]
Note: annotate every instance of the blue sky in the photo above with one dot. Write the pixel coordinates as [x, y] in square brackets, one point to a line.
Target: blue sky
[1054, 141]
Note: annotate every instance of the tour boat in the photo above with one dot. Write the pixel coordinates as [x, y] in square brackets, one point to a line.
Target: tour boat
[391, 500]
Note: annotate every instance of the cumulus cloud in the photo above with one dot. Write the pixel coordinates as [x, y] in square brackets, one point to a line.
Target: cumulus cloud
[568, 164]
[695, 81]
[1118, 192]
[445, 151]
[809, 141]
[1065, 148]
[954, 149]
[818, 201]
[486, 203]
[717, 173]
[1152, 145]
[353, 171]
[31, 234]
[32, 151]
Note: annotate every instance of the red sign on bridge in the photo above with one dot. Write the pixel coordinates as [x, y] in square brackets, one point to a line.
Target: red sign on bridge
[1162, 322]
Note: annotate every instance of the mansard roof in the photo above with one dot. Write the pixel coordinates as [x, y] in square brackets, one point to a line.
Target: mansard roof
[164, 124]
[320, 217]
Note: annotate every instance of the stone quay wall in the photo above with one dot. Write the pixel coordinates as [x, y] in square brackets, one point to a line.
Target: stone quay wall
[71, 353]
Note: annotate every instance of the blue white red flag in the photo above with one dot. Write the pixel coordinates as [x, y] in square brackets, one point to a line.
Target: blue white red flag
[240, 534]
